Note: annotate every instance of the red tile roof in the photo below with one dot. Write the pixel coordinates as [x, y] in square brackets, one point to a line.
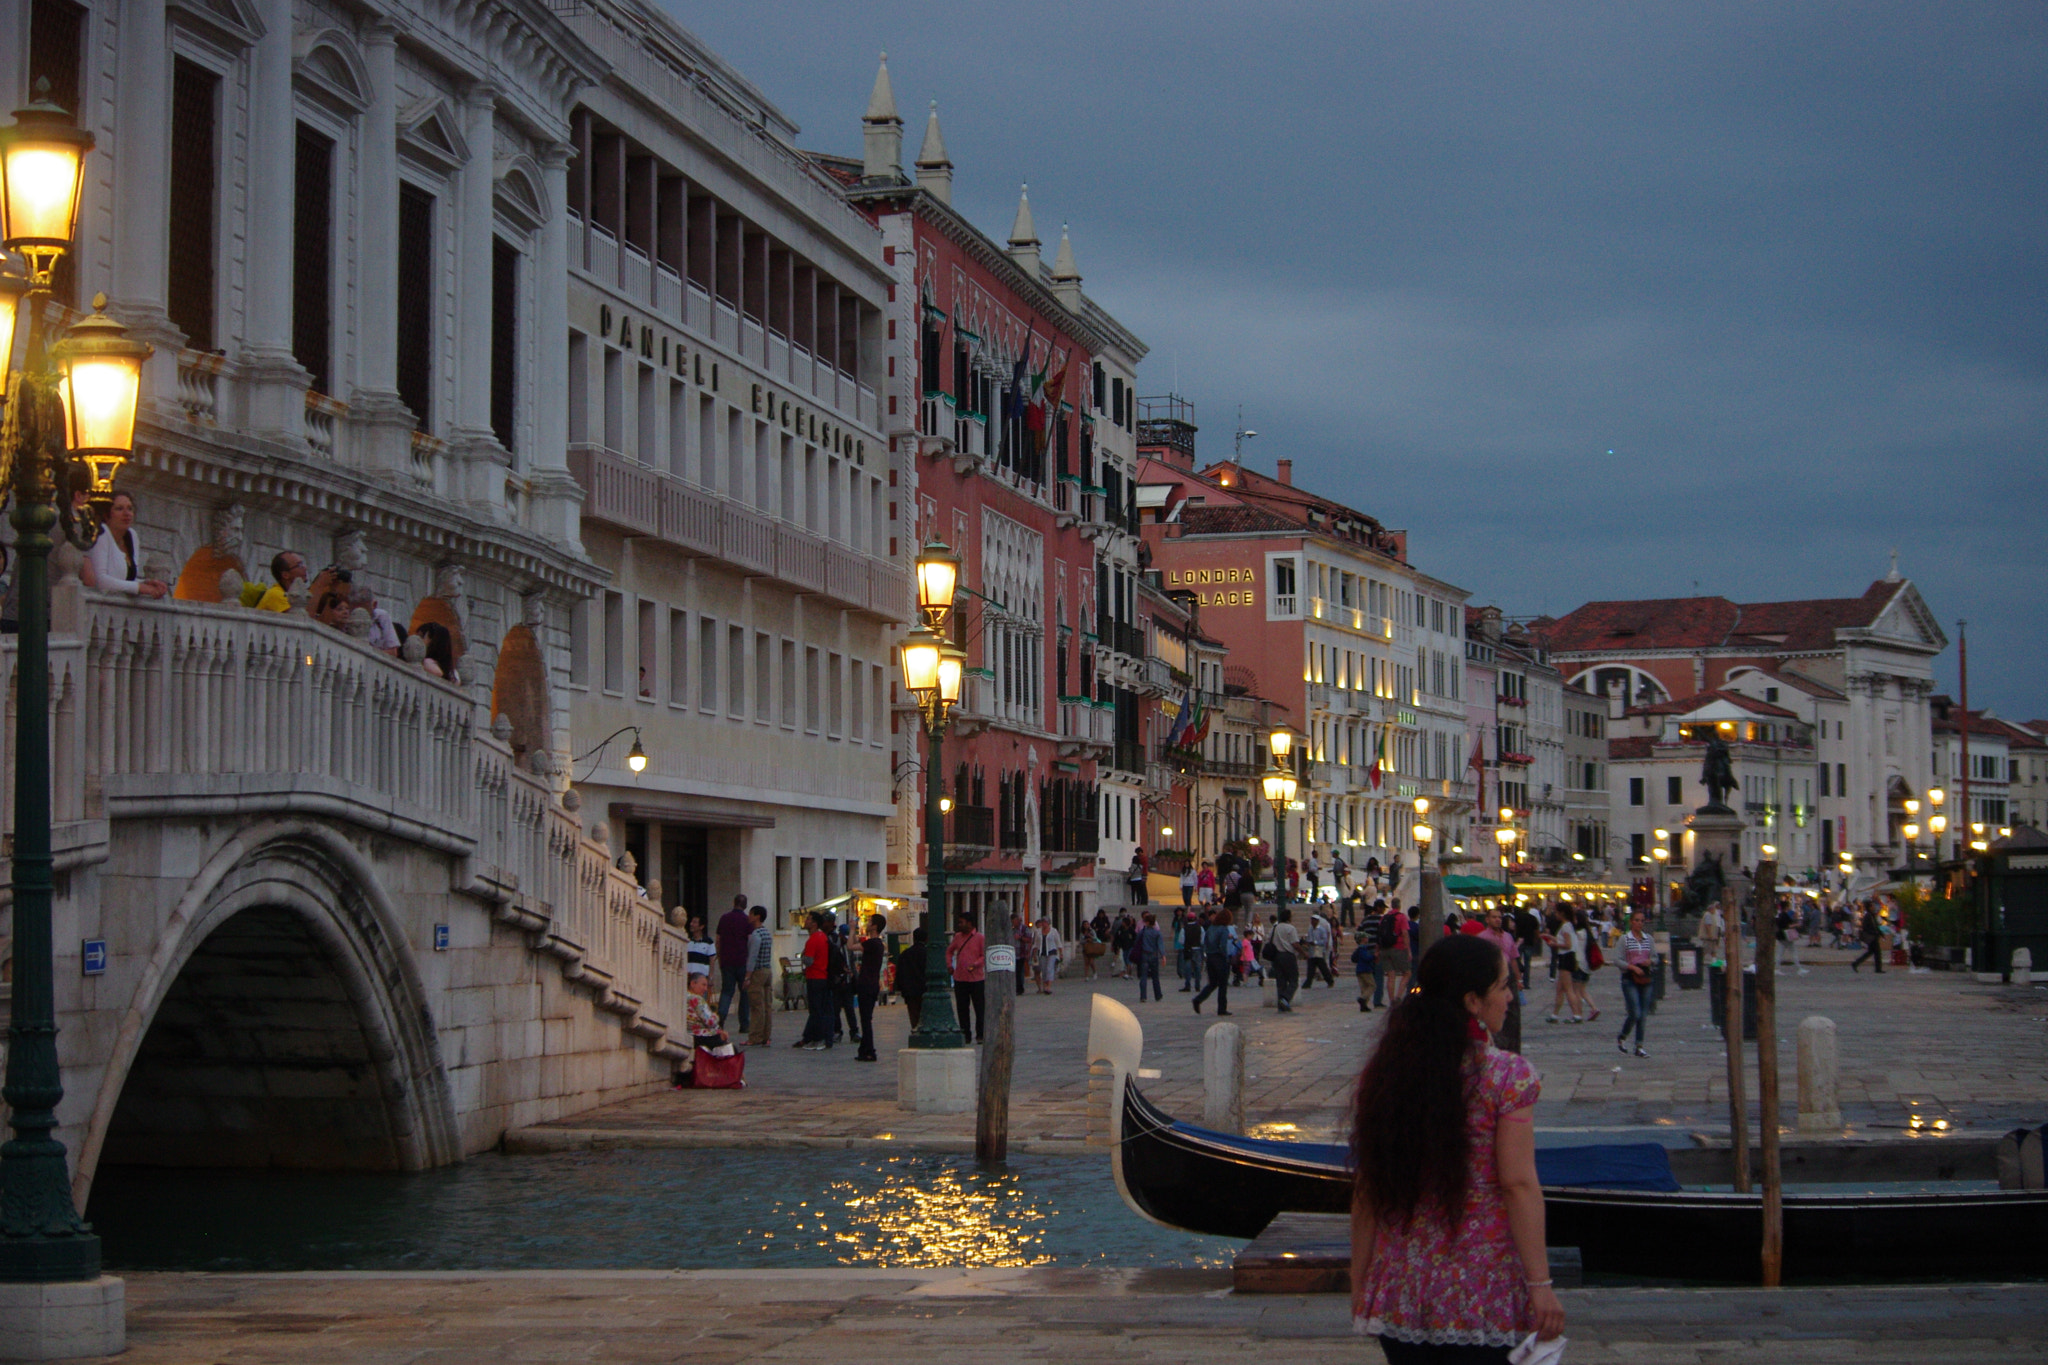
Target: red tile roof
[1695, 702]
[1948, 720]
[1713, 623]
[1635, 747]
[1242, 519]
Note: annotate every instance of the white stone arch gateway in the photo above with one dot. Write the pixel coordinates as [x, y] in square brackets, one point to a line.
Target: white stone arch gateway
[280, 1020]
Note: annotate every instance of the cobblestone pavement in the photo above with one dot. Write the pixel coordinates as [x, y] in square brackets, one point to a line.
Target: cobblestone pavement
[968, 1317]
[1937, 1044]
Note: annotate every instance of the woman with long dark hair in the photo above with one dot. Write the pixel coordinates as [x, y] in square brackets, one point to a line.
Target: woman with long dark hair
[1447, 1252]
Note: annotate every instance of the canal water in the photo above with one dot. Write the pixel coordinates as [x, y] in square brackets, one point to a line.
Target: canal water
[725, 1208]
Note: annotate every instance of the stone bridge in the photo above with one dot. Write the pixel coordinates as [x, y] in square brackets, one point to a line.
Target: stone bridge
[344, 926]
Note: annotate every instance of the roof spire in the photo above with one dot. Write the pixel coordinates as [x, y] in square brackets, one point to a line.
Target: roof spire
[882, 131]
[1066, 276]
[1063, 267]
[934, 168]
[1893, 576]
[1023, 236]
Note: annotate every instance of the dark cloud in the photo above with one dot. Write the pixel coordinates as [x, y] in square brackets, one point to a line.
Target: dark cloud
[1782, 261]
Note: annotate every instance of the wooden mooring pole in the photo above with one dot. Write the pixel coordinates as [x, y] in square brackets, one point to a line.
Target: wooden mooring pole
[1767, 1070]
[1731, 1029]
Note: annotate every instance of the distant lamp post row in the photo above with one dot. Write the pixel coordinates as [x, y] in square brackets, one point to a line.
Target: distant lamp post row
[1280, 786]
[1507, 836]
[69, 426]
[934, 671]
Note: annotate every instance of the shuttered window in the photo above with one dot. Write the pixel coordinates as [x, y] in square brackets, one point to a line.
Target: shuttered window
[504, 339]
[313, 258]
[416, 302]
[189, 292]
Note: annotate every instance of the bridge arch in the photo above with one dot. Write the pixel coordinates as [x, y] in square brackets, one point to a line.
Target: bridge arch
[280, 1020]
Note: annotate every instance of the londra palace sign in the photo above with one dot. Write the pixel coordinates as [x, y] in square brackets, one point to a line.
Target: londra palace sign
[1202, 578]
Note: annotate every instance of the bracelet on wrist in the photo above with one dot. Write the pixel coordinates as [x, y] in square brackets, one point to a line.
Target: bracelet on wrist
[1541, 1284]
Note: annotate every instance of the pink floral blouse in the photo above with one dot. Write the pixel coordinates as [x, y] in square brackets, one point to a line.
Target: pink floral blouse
[1431, 1283]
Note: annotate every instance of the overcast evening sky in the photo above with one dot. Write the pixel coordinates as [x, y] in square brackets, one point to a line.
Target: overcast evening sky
[1597, 301]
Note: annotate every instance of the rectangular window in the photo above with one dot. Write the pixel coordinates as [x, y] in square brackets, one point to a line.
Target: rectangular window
[1674, 791]
[614, 642]
[736, 672]
[1824, 780]
[812, 689]
[707, 664]
[579, 644]
[189, 297]
[313, 257]
[789, 684]
[416, 303]
[1635, 848]
[1635, 791]
[678, 428]
[644, 430]
[504, 339]
[579, 388]
[614, 400]
[835, 704]
[56, 49]
[649, 650]
[764, 674]
[856, 679]
[678, 657]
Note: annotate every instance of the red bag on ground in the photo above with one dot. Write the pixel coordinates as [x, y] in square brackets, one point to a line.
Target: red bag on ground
[718, 1073]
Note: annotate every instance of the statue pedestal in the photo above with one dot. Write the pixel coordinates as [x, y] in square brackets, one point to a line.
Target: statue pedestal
[1718, 830]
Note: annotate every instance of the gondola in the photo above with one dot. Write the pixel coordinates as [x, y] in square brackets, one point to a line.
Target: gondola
[1619, 1205]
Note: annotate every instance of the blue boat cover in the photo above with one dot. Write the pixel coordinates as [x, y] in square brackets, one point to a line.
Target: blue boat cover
[1607, 1166]
[1601, 1166]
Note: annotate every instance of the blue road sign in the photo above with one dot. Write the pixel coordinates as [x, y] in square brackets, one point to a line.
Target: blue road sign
[93, 956]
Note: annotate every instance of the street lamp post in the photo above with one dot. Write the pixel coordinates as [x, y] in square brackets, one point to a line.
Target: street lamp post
[1505, 835]
[1279, 787]
[933, 672]
[68, 405]
[1937, 820]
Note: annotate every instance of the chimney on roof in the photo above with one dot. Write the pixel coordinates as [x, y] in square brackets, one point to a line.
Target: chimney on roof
[934, 169]
[1024, 236]
[1283, 470]
[881, 131]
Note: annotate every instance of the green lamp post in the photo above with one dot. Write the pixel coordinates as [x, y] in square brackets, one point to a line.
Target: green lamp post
[934, 670]
[70, 417]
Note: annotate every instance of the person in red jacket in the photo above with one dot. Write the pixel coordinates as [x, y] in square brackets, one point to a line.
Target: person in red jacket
[967, 955]
[817, 988]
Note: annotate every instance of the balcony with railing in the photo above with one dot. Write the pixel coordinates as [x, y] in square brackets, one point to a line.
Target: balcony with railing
[634, 498]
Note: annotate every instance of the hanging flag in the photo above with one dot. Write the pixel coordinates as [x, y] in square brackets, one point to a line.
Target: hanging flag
[1177, 736]
[1379, 762]
[1478, 765]
[1046, 404]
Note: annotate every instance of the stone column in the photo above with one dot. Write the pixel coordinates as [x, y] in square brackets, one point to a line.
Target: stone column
[472, 433]
[1820, 1103]
[555, 500]
[386, 423]
[1223, 1078]
[274, 384]
[142, 133]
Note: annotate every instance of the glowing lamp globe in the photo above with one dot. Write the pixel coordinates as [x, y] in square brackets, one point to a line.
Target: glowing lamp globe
[101, 385]
[921, 650]
[938, 579]
[42, 174]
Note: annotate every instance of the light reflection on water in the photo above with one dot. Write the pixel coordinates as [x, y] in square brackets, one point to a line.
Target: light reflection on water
[616, 1210]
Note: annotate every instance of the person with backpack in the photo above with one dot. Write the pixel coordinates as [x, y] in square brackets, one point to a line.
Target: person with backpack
[1369, 933]
[1190, 948]
[1321, 948]
[1281, 953]
[1365, 962]
[1396, 960]
[1219, 952]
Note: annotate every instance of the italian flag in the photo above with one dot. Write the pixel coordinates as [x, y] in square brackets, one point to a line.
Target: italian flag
[1044, 401]
[1379, 762]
